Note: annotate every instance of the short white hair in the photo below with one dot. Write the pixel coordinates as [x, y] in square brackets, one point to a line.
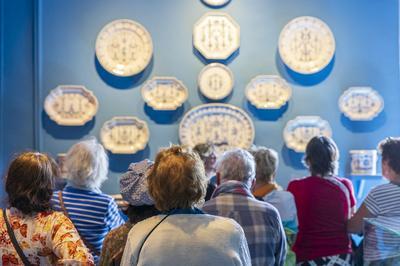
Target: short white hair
[236, 164]
[87, 164]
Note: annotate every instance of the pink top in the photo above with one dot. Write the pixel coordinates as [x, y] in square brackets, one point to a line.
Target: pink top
[323, 210]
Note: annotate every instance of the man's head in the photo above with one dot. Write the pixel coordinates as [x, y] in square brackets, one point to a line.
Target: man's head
[236, 164]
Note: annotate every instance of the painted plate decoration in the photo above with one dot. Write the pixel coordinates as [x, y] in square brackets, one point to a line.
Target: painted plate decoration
[124, 47]
[124, 134]
[225, 125]
[164, 93]
[71, 105]
[361, 103]
[298, 132]
[306, 45]
[268, 92]
[216, 81]
[216, 3]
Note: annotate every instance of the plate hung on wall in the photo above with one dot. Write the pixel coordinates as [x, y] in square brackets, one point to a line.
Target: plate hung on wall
[216, 35]
[306, 45]
[361, 103]
[215, 81]
[299, 131]
[124, 134]
[71, 105]
[224, 125]
[124, 47]
[164, 93]
[215, 3]
[268, 92]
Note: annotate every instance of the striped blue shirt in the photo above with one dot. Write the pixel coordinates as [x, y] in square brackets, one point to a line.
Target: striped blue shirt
[93, 214]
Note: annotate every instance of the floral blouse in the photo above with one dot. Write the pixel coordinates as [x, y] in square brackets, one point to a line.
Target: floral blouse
[47, 238]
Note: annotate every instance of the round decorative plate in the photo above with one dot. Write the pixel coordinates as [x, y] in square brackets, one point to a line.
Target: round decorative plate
[306, 45]
[71, 105]
[298, 132]
[268, 92]
[215, 3]
[124, 134]
[225, 125]
[216, 81]
[216, 35]
[164, 93]
[124, 47]
[361, 103]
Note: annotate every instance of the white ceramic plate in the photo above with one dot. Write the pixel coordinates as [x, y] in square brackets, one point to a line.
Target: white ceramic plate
[361, 103]
[225, 125]
[124, 134]
[124, 47]
[164, 93]
[298, 132]
[268, 92]
[216, 81]
[216, 35]
[71, 105]
[216, 3]
[306, 45]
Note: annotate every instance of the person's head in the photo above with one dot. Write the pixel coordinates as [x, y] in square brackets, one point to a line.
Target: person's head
[86, 164]
[322, 156]
[29, 182]
[267, 161]
[177, 179]
[206, 151]
[236, 164]
[390, 151]
[134, 190]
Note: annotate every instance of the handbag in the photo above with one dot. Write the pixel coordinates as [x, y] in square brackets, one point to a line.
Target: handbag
[14, 240]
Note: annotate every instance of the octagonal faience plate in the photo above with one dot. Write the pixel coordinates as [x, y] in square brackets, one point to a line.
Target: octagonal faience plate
[225, 125]
[306, 45]
[268, 92]
[361, 103]
[216, 35]
[215, 81]
[124, 134]
[298, 132]
[164, 93]
[71, 105]
[124, 47]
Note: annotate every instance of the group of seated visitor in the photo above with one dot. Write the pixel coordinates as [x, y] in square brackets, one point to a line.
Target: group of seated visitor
[189, 207]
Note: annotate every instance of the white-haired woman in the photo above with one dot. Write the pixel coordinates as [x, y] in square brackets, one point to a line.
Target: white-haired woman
[93, 213]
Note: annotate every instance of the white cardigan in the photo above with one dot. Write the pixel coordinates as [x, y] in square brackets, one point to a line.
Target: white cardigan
[187, 239]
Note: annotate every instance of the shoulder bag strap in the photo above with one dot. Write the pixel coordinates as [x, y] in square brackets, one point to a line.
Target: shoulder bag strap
[14, 240]
[87, 243]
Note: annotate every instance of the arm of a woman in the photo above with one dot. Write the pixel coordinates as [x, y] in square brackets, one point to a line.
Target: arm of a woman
[355, 224]
[67, 244]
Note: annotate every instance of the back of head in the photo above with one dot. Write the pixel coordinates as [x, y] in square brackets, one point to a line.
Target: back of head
[322, 156]
[390, 150]
[87, 164]
[236, 164]
[177, 179]
[267, 161]
[204, 149]
[29, 182]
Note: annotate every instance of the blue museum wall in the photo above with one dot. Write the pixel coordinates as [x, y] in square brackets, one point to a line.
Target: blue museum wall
[366, 35]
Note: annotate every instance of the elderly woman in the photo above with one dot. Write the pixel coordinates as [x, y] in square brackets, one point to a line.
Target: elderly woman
[268, 190]
[206, 151]
[135, 191]
[324, 203]
[30, 232]
[183, 235]
[93, 213]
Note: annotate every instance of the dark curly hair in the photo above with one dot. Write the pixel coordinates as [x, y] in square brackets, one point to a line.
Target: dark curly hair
[390, 150]
[29, 182]
[321, 156]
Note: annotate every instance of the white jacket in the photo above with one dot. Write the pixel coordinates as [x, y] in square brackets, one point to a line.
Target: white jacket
[187, 239]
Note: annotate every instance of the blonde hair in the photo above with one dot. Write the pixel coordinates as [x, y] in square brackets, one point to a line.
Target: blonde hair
[177, 179]
[267, 162]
